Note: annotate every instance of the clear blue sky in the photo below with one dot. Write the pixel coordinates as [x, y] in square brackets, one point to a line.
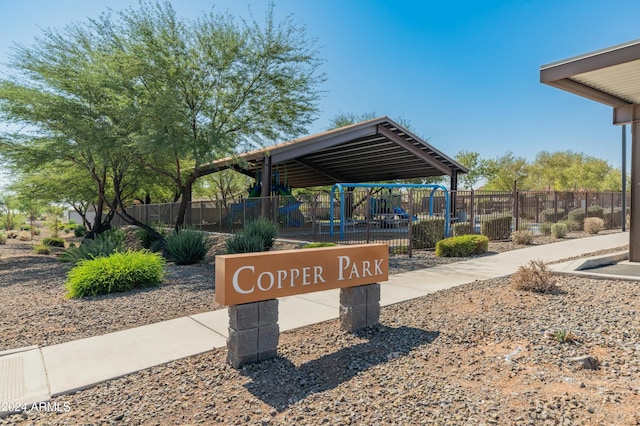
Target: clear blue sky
[464, 73]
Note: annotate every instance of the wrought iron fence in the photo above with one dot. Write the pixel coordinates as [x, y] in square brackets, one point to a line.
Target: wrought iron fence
[377, 215]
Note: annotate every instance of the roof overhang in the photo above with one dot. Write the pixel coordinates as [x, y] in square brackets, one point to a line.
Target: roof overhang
[372, 151]
[610, 76]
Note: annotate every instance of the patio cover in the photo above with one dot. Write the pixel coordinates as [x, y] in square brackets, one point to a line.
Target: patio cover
[610, 76]
[370, 151]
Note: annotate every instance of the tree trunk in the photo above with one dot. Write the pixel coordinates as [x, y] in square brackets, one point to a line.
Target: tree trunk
[184, 213]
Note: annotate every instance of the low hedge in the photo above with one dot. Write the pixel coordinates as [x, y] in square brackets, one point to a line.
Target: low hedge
[427, 232]
[461, 228]
[497, 228]
[462, 246]
[119, 272]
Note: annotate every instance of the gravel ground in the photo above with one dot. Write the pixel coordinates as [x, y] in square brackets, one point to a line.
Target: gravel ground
[491, 360]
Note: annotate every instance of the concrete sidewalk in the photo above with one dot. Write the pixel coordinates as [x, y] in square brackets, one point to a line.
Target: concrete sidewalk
[33, 374]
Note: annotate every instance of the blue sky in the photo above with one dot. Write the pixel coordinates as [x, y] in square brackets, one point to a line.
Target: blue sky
[464, 73]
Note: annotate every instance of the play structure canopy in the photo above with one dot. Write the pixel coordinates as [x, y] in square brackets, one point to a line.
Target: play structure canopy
[371, 151]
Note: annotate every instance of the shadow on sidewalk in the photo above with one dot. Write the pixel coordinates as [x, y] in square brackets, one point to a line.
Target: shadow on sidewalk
[280, 384]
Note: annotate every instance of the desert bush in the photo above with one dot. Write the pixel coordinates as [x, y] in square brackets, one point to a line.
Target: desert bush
[593, 225]
[79, 231]
[316, 245]
[53, 242]
[36, 231]
[462, 246]
[243, 243]
[121, 271]
[522, 237]
[263, 228]
[559, 230]
[12, 233]
[25, 227]
[427, 232]
[24, 236]
[534, 277]
[104, 244]
[546, 228]
[187, 246]
[42, 249]
[147, 239]
[497, 228]
[461, 228]
[577, 216]
[3, 238]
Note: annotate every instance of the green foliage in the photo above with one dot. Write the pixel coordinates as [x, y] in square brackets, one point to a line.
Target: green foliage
[559, 230]
[564, 336]
[477, 167]
[398, 249]
[503, 171]
[497, 228]
[3, 238]
[147, 239]
[53, 242]
[461, 228]
[42, 249]
[577, 216]
[612, 220]
[264, 229]
[462, 246]
[317, 245]
[79, 231]
[187, 246]
[534, 277]
[549, 215]
[427, 232]
[546, 228]
[105, 244]
[243, 243]
[118, 272]
[522, 237]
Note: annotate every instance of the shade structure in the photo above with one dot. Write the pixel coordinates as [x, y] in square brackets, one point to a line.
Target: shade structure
[371, 151]
[610, 76]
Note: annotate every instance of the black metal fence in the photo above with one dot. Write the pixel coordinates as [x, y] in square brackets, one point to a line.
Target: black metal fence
[377, 215]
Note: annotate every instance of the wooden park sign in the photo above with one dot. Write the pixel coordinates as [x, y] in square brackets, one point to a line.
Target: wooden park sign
[253, 277]
[251, 284]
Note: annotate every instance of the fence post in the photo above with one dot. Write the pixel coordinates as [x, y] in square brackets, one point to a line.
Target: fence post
[555, 206]
[472, 214]
[586, 204]
[515, 204]
[409, 252]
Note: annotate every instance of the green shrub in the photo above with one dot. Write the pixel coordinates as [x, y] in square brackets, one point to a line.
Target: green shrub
[36, 231]
[104, 244]
[3, 238]
[593, 225]
[147, 239]
[549, 215]
[462, 246]
[316, 245]
[577, 216]
[243, 243]
[42, 249]
[263, 228]
[187, 246]
[546, 228]
[497, 228]
[427, 232]
[522, 237]
[121, 271]
[461, 228]
[79, 231]
[612, 220]
[25, 227]
[53, 242]
[559, 230]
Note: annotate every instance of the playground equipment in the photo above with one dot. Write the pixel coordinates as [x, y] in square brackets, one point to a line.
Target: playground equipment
[288, 212]
[397, 209]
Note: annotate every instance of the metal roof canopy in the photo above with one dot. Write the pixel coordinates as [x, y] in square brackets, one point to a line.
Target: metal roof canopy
[371, 151]
[610, 76]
